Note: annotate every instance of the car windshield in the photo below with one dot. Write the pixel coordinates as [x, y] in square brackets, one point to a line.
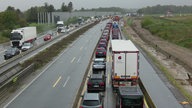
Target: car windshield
[16, 36]
[102, 45]
[60, 25]
[96, 80]
[91, 102]
[98, 62]
[100, 50]
[10, 50]
[27, 44]
[132, 101]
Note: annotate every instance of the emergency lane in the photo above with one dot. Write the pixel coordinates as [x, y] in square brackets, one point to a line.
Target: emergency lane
[160, 94]
[57, 85]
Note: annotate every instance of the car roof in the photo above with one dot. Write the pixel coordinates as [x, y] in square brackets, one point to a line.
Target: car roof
[99, 75]
[102, 43]
[91, 96]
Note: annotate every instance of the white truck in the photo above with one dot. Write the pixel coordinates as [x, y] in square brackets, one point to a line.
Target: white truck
[125, 63]
[22, 35]
[60, 27]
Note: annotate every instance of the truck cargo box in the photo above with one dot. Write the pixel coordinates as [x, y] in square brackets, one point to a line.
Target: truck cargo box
[125, 62]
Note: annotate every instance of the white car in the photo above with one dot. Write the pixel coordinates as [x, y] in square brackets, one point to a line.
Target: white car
[26, 46]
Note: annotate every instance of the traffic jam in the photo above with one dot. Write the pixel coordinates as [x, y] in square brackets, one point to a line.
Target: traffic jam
[124, 74]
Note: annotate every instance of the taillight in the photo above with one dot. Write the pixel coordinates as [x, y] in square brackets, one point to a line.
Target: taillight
[96, 52]
[104, 53]
[101, 84]
[89, 84]
[100, 107]
[80, 107]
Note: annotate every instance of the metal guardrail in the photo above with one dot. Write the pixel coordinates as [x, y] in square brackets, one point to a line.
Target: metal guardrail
[146, 95]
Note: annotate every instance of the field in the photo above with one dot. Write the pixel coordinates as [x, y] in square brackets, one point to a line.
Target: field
[177, 30]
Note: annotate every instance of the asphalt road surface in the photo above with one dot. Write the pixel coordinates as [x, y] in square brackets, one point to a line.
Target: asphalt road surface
[58, 83]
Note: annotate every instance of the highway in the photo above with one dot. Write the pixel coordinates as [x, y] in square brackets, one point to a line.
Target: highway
[58, 83]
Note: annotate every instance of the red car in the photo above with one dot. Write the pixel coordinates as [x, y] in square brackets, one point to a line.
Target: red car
[47, 37]
[101, 52]
[101, 44]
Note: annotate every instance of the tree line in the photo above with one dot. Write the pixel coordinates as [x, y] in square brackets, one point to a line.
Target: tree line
[158, 9]
[14, 18]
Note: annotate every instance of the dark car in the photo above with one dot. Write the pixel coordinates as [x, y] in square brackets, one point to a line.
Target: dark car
[101, 44]
[99, 64]
[47, 37]
[101, 52]
[92, 100]
[9, 53]
[96, 82]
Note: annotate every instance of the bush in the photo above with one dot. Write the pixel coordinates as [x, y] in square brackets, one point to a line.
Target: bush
[146, 22]
[6, 33]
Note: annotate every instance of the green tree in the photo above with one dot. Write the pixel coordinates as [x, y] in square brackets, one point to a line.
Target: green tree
[50, 8]
[70, 6]
[10, 8]
[9, 19]
[64, 8]
[31, 14]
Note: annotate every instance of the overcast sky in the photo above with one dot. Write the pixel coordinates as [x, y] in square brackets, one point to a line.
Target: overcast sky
[77, 4]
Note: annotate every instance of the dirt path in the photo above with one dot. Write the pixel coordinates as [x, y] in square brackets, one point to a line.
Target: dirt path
[169, 55]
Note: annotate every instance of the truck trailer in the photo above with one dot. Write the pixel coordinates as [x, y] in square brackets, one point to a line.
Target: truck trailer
[125, 63]
[22, 35]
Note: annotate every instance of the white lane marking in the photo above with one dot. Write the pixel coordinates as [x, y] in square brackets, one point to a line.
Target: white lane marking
[33, 80]
[78, 59]
[73, 60]
[108, 78]
[68, 78]
[57, 81]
